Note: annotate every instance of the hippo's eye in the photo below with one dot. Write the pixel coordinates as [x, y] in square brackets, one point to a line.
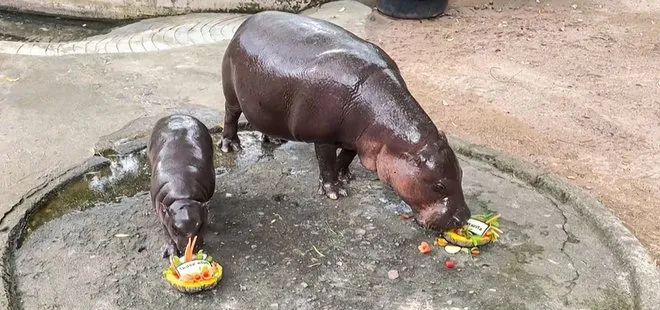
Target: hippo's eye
[439, 187]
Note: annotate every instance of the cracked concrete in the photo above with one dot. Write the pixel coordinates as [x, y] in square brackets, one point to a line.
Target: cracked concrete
[583, 212]
[569, 238]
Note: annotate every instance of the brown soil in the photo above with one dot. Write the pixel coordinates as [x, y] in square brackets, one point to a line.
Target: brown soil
[573, 88]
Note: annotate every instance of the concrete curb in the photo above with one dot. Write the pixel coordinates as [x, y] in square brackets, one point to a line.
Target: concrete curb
[645, 276]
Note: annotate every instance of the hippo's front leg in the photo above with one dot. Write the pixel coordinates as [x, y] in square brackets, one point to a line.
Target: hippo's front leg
[169, 247]
[326, 155]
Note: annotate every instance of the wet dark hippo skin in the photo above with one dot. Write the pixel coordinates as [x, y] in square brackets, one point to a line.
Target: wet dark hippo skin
[180, 154]
[303, 79]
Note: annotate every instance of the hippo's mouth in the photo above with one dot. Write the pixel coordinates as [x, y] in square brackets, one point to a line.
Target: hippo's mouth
[171, 250]
[440, 216]
[176, 245]
[182, 242]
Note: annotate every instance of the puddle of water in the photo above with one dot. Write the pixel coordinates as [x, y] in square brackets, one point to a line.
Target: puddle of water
[120, 168]
[125, 177]
[128, 175]
[253, 151]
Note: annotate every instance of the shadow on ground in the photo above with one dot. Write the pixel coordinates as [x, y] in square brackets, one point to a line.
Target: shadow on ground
[283, 246]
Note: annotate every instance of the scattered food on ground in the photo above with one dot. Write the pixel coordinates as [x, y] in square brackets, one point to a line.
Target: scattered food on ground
[440, 242]
[452, 249]
[424, 247]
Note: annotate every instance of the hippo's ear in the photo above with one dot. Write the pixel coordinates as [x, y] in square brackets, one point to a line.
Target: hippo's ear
[412, 159]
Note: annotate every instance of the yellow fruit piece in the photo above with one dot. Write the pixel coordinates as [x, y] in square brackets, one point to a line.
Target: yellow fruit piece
[453, 237]
[441, 242]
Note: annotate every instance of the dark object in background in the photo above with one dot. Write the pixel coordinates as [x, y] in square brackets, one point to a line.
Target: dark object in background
[412, 9]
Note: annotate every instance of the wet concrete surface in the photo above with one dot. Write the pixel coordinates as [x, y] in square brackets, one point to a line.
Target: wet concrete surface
[285, 247]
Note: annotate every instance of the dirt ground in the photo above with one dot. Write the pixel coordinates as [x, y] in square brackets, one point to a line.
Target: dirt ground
[573, 87]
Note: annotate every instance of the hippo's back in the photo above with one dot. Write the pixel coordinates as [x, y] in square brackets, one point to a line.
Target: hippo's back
[179, 142]
[180, 154]
[295, 76]
[294, 45]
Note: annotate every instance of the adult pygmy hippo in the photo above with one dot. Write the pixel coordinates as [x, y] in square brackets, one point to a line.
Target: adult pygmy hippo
[182, 178]
[304, 79]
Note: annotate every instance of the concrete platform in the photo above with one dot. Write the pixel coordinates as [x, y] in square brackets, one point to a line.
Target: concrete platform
[283, 246]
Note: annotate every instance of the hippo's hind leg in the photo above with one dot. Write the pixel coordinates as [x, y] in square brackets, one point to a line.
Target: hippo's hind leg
[326, 155]
[230, 141]
[344, 159]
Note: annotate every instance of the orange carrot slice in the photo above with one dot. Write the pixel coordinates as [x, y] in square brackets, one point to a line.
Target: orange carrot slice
[185, 252]
[189, 249]
[424, 247]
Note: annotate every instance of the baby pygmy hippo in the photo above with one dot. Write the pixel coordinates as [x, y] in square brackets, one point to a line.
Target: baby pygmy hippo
[300, 78]
[180, 155]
